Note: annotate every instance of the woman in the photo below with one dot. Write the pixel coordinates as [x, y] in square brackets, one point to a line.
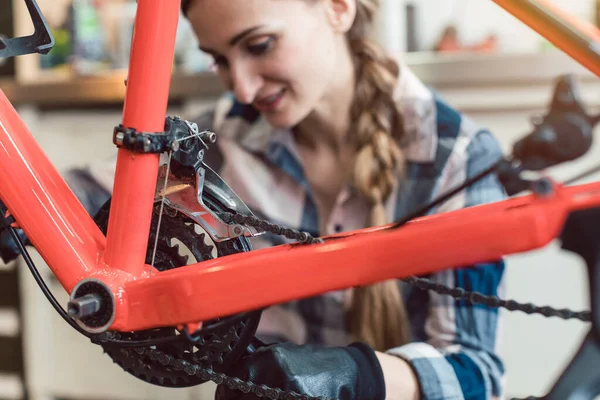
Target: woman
[323, 132]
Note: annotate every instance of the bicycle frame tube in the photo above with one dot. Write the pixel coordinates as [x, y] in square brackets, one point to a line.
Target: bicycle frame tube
[247, 281]
[145, 110]
[42, 203]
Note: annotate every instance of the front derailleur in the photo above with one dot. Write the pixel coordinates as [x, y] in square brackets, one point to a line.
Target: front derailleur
[186, 184]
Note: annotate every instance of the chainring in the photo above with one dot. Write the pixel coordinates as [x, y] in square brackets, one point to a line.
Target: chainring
[217, 349]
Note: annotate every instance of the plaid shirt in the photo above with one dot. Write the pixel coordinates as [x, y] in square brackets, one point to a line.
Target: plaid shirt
[454, 348]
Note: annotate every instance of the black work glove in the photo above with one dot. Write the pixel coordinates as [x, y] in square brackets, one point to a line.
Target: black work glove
[344, 373]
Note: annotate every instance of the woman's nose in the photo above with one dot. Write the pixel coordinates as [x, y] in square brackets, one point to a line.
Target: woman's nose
[244, 83]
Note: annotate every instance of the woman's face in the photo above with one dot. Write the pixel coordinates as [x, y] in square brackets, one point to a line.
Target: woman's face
[278, 55]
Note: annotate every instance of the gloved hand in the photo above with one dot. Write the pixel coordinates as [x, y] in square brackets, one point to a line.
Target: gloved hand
[344, 373]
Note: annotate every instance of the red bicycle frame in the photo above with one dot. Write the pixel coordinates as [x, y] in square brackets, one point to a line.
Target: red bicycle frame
[75, 249]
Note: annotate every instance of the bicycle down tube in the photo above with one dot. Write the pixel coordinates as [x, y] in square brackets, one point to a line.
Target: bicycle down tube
[43, 205]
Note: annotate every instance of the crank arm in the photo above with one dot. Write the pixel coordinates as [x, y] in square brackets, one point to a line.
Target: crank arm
[187, 196]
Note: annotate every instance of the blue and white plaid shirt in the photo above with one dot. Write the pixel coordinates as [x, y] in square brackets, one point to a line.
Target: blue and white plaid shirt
[454, 348]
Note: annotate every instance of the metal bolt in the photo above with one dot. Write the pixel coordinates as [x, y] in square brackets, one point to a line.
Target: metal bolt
[211, 137]
[171, 212]
[174, 145]
[542, 187]
[119, 138]
[84, 306]
[147, 144]
[238, 230]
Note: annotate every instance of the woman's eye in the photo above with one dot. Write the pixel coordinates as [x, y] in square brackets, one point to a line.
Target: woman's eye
[259, 47]
[220, 62]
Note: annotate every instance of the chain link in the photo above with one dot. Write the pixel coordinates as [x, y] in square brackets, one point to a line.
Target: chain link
[260, 224]
[496, 302]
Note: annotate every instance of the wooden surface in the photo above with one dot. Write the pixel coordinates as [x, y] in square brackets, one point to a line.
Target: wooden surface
[101, 90]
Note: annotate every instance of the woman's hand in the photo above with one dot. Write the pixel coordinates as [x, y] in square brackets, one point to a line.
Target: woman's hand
[343, 373]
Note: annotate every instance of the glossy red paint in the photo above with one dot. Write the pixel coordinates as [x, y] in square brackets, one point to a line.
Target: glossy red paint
[145, 110]
[264, 277]
[43, 205]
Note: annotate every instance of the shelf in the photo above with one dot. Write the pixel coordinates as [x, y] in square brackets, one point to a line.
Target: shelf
[101, 90]
[449, 71]
[440, 71]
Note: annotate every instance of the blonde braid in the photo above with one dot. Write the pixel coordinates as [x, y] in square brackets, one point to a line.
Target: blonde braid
[377, 315]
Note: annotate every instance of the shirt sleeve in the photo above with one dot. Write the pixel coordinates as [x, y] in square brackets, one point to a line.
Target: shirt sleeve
[454, 352]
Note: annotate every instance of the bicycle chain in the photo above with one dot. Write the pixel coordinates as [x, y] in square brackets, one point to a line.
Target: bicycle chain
[261, 390]
[496, 302]
[262, 225]
[234, 383]
[206, 373]
[220, 378]
[421, 283]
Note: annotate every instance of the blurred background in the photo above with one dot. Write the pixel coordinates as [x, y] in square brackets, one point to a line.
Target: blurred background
[481, 59]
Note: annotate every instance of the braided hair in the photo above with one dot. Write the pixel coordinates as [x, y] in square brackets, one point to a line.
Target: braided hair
[377, 314]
